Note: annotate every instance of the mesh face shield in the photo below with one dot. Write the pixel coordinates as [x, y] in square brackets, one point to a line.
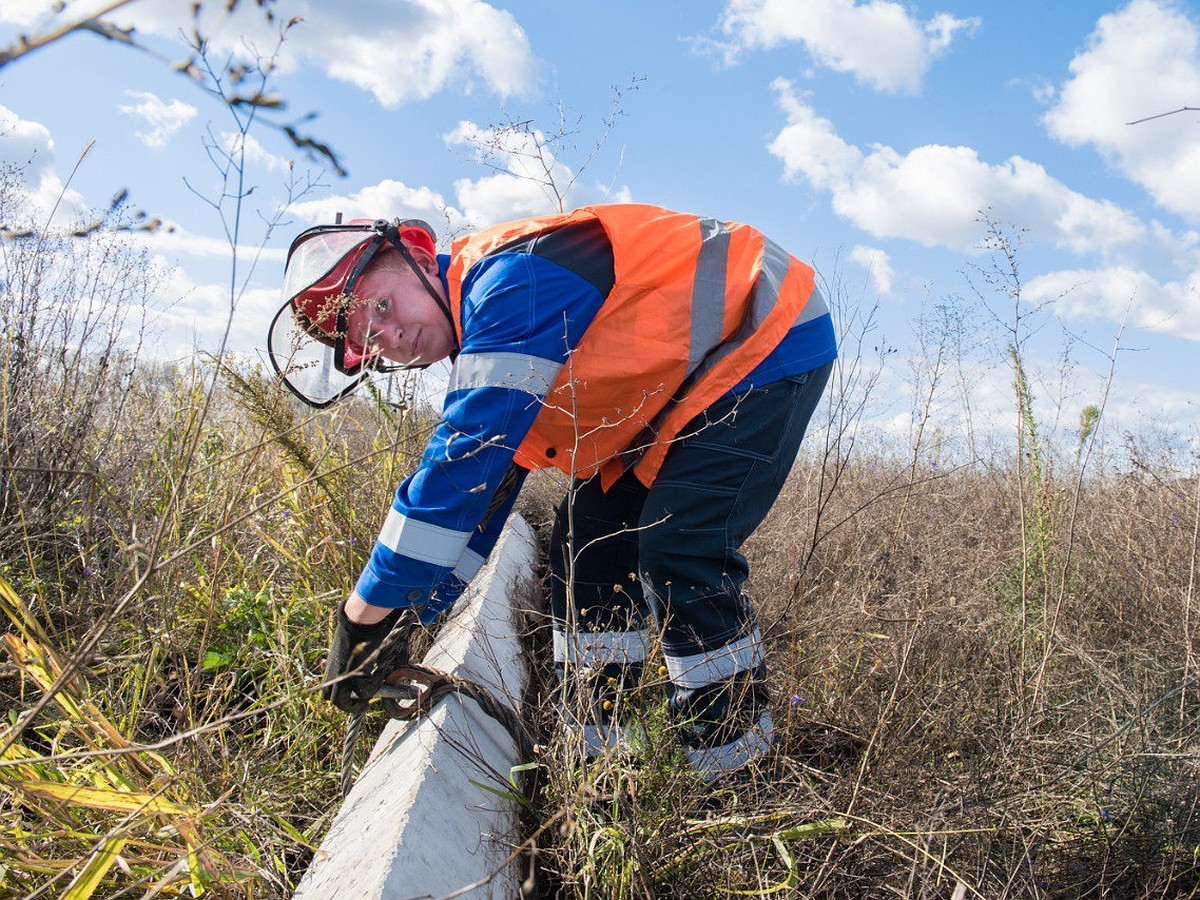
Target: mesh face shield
[307, 342]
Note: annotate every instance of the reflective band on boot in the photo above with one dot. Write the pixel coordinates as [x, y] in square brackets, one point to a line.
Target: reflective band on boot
[599, 740]
[712, 762]
[604, 665]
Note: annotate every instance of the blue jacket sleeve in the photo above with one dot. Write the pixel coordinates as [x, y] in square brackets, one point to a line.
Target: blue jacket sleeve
[521, 315]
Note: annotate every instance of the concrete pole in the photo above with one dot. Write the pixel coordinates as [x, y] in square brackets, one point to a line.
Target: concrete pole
[419, 822]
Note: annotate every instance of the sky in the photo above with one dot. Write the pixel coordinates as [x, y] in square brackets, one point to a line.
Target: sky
[880, 141]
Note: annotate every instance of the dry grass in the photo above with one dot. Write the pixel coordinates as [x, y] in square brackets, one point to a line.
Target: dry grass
[984, 676]
[932, 738]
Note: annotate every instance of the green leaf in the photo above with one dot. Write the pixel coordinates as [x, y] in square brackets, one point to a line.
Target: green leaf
[814, 829]
[86, 882]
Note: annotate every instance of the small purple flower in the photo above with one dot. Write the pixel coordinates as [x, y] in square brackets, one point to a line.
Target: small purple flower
[796, 698]
[1105, 816]
[89, 571]
[353, 541]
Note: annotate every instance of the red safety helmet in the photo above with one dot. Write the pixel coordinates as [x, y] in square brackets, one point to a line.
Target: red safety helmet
[324, 266]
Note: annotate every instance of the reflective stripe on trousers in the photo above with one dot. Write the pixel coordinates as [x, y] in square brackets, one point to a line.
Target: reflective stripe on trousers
[668, 557]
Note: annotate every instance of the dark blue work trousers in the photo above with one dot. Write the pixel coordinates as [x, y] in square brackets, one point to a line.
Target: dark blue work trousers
[668, 557]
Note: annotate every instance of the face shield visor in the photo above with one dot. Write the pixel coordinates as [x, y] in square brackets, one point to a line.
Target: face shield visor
[307, 342]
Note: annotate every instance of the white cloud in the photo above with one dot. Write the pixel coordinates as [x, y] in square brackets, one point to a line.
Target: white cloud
[388, 199]
[530, 180]
[934, 194]
[1044, 92]
[528, 184]
[878, 265]
[27, 151]
[1141, 60]
[510, 193]
[974, 405]
[1138, 404]
[880, 42]
[165, 118]
[24, 13]
[1115, 293]
[398, 50]
[256, 153]
[191, 316]
[173, 241]
[413, 50]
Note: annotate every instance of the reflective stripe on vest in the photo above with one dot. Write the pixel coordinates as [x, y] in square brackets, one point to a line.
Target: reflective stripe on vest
[695, 306]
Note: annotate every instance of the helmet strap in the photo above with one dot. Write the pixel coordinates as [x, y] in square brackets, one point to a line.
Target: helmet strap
[392, 234]
[339, 340]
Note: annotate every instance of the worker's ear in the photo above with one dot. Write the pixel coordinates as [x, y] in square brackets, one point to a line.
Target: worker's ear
[423, 258]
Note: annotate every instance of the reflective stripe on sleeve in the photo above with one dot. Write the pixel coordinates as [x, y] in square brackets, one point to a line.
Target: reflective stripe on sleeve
[468, 565]
[763, 296]
[599, 648]
[702, 669]
[422, 541]
[517, 371]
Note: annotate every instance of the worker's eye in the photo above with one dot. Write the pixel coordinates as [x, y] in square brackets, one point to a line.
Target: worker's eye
[382, 304]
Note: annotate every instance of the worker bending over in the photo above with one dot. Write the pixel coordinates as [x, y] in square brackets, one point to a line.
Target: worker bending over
[669, 363]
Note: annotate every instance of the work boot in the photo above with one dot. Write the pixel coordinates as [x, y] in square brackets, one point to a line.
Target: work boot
[596, 706]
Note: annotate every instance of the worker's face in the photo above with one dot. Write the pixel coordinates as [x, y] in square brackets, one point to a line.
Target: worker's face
[395, 316]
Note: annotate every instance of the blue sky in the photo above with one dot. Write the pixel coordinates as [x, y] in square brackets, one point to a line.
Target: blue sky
[865, 137]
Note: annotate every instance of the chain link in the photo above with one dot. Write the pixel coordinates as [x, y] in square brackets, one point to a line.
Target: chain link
[412, 691]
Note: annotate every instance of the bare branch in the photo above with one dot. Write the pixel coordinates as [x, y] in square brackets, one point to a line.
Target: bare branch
[93, 23]
[1163, 115]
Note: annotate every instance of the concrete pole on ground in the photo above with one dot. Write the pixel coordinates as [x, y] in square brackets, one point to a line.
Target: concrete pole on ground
[419, 821]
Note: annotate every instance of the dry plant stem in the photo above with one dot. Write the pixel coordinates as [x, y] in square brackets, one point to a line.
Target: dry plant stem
[86, 23]
[166, 743]
[236, 163]
[193, 432]
[530, 843]
[883, 716]
[921, 851]
[569, 671]
[1023, 508]
[37, 258]
[1189, 646]
[926, 411]
[1068, 560]
[521, 139]
[97, 24]
[848, 378]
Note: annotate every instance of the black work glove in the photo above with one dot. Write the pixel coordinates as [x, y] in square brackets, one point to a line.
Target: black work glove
[362, 649]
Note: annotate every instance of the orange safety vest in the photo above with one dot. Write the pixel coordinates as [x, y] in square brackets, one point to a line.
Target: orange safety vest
[696, 304]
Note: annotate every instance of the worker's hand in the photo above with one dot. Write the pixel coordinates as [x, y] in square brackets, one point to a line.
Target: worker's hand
[363, 651]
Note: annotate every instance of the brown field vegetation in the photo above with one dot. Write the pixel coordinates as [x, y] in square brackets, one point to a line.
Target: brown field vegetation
[984, 671]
